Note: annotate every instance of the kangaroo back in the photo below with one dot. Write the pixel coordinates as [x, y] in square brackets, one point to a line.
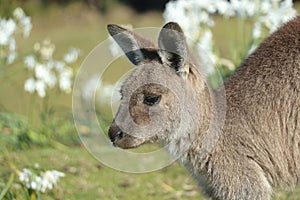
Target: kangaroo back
[263, 99]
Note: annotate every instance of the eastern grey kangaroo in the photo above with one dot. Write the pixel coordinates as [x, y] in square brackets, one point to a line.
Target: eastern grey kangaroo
[259, 144]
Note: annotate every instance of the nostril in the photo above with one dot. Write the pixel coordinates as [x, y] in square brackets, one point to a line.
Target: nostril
[115, 134]
[119, 134]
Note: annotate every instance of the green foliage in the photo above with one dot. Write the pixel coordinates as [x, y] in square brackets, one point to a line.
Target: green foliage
[17, 134]
[6, 8]
[5, 192]
[14, 131]
[62, 129]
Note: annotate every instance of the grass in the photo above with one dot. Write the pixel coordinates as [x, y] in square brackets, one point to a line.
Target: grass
[86, 178]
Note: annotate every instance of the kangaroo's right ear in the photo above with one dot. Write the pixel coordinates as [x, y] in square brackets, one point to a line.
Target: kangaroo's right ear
[173, 47]
[132, 44]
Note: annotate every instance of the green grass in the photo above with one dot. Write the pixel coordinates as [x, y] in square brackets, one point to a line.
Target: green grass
[87, 178]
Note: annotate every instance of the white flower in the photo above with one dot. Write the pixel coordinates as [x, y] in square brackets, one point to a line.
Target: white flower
[48, 73]
[49, 179]
[10, 26]
[266, 6]
[59, 66]
[27, 26]
[44, 73]
[206, 53]
[12, 44]
[224, 8]
[7, 29]
[40, 87]
[30, 61]
[18, 13]
[51, 80]
[45, 78]
[29, 85]
[252, 49]
[25, 175]
[65, 80]
[205, 18]
[58, 173]
[72, 55]
[3, 37]
[46, 180]
[33, 185]
[186, 15]
[38, 180]
[36, 165]
[274, 18]
[41, 72]
[206, 41]
[256, 33]
[47, 50]
[11, 57]
[196, 19]
[244, 8]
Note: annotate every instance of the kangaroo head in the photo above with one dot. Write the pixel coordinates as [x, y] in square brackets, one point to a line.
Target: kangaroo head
[156, 92]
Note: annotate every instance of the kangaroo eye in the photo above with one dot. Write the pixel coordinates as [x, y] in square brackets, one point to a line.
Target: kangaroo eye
[152, 100]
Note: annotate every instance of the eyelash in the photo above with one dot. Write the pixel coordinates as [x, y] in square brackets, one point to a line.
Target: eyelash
[152, 100]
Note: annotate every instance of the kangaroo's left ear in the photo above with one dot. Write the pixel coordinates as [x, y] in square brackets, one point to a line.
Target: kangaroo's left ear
[173, 47]
[135, 47]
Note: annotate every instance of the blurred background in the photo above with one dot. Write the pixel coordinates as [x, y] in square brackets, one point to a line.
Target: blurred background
[42, 45]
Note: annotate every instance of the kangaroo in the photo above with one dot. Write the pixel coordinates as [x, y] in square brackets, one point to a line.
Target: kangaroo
[258, 145]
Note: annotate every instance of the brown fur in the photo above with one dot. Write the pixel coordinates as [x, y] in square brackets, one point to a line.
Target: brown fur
[259, 144]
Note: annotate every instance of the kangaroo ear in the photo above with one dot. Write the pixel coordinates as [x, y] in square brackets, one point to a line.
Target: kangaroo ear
[173, 47]
[132, 44]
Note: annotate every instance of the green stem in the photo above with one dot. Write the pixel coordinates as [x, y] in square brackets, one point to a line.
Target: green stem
[8, 185]
[31, 109]
[57, 145]
[44, 113]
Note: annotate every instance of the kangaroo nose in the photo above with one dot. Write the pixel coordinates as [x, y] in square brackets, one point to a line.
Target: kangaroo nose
[115, 133]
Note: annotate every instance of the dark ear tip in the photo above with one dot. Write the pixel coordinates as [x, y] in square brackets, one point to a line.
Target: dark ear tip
[110, 26]
[114, 29]
[173, 26]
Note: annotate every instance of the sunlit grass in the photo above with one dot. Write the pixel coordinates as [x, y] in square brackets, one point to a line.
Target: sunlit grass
[86, 178]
